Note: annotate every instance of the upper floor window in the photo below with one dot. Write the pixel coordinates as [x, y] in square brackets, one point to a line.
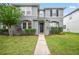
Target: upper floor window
[47, 13]
[64, 26]
[50, 12]
[70, 17]
[34, 11]
[60, 13]
[41, 13]
[28, 12]
[23, 13]
[56, 12]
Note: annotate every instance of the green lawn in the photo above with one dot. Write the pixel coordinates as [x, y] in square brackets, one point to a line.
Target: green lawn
[66, 44]
[17, 45]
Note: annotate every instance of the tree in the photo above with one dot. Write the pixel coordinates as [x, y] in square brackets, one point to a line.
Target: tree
[9, 16]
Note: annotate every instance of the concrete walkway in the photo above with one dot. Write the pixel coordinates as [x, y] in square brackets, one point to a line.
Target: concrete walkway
[41, 47]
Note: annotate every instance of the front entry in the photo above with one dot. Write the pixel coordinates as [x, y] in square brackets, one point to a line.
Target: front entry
[41, 27]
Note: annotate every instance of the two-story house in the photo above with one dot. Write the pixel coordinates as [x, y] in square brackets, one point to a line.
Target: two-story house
[71, 22]
[40, 19]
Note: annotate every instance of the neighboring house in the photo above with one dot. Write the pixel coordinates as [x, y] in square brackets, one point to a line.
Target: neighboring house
[40, 19]
[71, 22]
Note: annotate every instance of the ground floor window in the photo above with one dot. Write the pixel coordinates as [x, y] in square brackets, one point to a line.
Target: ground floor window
[54, 24]
[24, 25]
[64, 26]
[27, 24]
[2, 26]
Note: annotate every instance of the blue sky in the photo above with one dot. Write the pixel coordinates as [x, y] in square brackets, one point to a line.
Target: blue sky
[69, 7]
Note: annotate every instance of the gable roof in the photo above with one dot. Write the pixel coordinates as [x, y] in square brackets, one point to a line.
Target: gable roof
[72, 12]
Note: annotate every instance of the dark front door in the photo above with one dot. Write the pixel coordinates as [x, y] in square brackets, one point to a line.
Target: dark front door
[41, 27]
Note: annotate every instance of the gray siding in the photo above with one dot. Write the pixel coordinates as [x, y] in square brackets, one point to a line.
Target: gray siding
[35, 26]
[72, 22]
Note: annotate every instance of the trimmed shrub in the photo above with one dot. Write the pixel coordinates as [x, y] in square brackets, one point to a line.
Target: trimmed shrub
[30, 31]
[3, 31]
[56, 30]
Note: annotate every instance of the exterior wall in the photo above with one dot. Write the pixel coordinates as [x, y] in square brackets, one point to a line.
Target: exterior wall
[22, 25]
[35, 26]
[54, 13]
[57, 18]
[60, 20]
[30, 11]
[27, 11]
[46, 28]
[72, 22]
